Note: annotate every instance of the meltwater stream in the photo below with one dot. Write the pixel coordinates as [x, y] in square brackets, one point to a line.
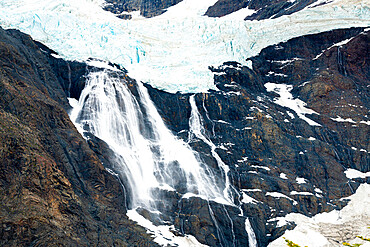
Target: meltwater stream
[148, 156]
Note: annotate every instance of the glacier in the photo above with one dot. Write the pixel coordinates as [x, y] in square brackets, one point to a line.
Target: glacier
[172, 51]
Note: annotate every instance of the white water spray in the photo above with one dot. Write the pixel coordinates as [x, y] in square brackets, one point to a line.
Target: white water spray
[149, 156]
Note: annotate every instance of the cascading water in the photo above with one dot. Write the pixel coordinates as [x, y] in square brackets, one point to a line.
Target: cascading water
[149, 158]
[197, 129]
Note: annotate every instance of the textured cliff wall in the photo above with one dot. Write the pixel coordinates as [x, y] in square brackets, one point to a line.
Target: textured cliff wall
[53, 188]
[285, 160]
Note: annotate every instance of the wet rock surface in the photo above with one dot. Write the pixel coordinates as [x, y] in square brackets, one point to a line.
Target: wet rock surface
[54, 189]
[280, 162]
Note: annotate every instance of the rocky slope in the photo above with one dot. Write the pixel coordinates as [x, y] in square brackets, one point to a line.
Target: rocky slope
[54, 189]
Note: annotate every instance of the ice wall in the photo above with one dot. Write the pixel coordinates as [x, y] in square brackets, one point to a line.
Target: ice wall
[171, 51]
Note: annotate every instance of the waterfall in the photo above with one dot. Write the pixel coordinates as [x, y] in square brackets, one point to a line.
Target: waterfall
[197, 129]
[149, 156]
[151, 161]
[196, 125]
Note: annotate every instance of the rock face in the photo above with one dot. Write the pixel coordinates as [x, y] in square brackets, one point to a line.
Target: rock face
[272, 9]
[281, 160]
[147, 8]
[54, 189]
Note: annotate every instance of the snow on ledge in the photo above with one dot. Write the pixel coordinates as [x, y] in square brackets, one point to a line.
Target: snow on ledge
[280, 195]
[286, 99]
[326, 229]
[162, 233]
[353, 173]
[340, 119]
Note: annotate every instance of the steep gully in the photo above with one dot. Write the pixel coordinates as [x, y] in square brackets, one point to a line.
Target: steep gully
[258, 158]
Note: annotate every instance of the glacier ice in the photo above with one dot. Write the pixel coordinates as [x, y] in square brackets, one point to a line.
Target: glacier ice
[171, 51]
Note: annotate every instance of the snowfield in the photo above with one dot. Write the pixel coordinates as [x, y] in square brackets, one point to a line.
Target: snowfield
[333, 228]
[171, 51]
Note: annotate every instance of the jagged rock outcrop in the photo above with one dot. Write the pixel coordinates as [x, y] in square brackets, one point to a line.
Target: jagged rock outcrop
[54, 189]
[272, 9]
[147, 8]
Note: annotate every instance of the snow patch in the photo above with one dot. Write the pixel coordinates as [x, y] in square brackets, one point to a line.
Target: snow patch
[248, 199]
[281, 221]
[283, 176]
[280, 195]
[365, 122]
[304, 193]
[261, 167]
[353, 173]
[300, 180]
[326, 229]
[240, 14]
[340, 119]
[286, 99]
[163, 234]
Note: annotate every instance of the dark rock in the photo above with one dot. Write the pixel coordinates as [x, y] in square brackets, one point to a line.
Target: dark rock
[264, 10]
[259, 140]
[147, 8]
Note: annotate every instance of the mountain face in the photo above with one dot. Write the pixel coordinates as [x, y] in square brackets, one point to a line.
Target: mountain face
[88, 154]
[269, 146]
[280, 160]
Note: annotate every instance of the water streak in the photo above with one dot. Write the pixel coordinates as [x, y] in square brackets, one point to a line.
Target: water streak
[197, 129]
